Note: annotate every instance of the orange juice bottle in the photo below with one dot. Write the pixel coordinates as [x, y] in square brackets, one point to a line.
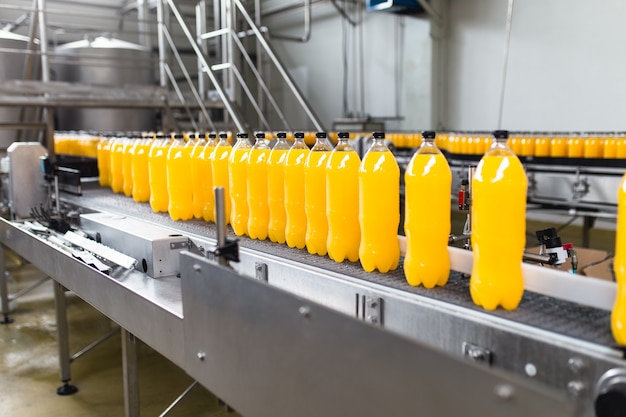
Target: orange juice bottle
[197, 175]
[620, 147]
[428, 182]
[342, 201]
[542, 146]
[139, 169]
[558, 147]
[594, 147]
[576, 146]
[295, 221]
[276, 189]
[610, 147]
[618, 315]
[157, 174]
[315, 195]
[104, 161]
[257, 179]
[237, 172]
[219, 173]
[498, 227]
[205, 170]
[117, 165]
[527, 145]
[179, 188]
[379, 207]
[127, 165]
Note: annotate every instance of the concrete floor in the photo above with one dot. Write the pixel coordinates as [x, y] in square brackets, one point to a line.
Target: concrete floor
[30, 372]
[29, 364]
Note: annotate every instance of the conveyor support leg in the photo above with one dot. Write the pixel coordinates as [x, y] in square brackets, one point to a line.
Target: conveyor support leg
[131, 374]
[63, 340]
[4, 290]
[588, 223]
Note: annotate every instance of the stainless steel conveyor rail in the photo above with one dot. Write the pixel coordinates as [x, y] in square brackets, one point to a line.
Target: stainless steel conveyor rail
[559, 343]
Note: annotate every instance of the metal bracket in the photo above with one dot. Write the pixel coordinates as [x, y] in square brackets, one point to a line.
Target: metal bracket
[260, 270]
[477, 353]
[369, 308]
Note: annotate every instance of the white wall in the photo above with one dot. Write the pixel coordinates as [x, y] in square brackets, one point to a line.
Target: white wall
[317, 67]
[566, 65]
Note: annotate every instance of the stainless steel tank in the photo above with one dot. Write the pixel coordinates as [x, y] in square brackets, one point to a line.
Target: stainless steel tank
[108, 62]
[13, 67]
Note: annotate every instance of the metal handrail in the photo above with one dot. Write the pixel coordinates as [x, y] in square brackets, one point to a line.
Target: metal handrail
[183, 68]
[281, 70]
[255, 72]
[205, 65]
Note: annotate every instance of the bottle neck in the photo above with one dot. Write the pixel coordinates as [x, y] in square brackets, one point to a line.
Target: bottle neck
[282, 144]
[428, 146]
[343, 146]
[321, 145]
[378, 145]
[299, 144]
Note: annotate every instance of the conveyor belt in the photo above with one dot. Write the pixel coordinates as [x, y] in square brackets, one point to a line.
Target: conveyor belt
[584, 323]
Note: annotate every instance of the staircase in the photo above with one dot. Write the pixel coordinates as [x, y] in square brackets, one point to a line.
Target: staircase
[234, 62]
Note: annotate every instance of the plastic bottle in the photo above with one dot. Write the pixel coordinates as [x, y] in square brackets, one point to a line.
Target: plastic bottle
[428, 182]
[558, 147]
[117, 165]
[179, 186]
[542, 146]
[379, 208]
[139, 168]
[237, 172]
[197, 175]
[205, 169]
[498, 227]
[295, 223]
[594, 147]
[315, 195]
[219, 169]
[576, 147]
[618, 315]
[157, 174]
[342, 201]
[127, 164]
[276, 189]
[257, 180]
[104, 161]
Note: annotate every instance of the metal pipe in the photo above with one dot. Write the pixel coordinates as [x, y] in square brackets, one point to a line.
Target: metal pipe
[434, 15]
[535, 257]
[220, 221]
[195, 93]
[130, 371]
[343, 13]
[201, 17]
[28, 289]
[507, 42]
[62, 333]
[292, 86]
[144, 25]
[227, 103]
[43, 40]
[4, 290]
[179, 399]
[16, 24]
[161, 42]
[307, 27]
[94, 344]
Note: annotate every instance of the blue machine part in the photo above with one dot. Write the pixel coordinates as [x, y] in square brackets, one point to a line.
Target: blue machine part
[395, 6]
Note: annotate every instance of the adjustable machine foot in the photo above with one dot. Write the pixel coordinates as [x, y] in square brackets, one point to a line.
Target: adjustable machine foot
[67, 389]
[6, 320]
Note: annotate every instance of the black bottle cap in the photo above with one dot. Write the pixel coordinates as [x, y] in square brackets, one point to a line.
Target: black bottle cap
[343, 135]
[321, 135]
[429, 134]
[192, 136]
[379, 135]
[178, 136]
[212, 135]
[242, 135]
[260, 135]
[298, 135]
[282, 135]
[501, 134]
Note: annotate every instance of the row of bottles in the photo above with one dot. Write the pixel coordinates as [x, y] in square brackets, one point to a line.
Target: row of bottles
[76, 143]
[330, 201]
[610, 146]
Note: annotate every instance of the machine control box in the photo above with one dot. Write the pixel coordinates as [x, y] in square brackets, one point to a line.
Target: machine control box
[156, 248]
